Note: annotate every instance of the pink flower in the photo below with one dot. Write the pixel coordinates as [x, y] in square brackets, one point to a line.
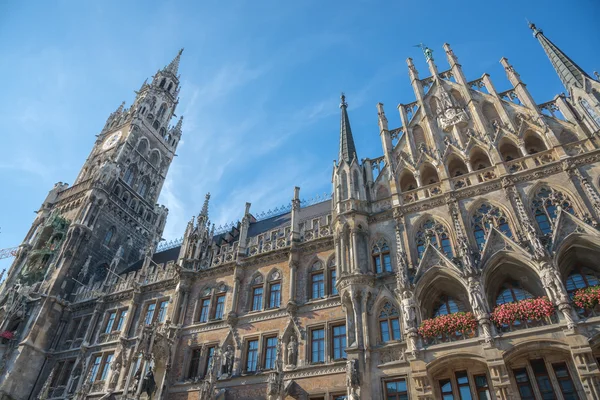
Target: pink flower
[448, 324]
[525, 310]
[7, 335]
[587, 297]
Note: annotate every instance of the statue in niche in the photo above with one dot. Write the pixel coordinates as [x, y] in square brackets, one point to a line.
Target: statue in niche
[227, 361]
[149, 384]
[292, 348]
[408, 310]
[476, 298]
[552, 284]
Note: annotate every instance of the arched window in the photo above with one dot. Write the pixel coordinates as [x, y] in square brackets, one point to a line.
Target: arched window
[109, 235]
[407, 181]
[429, 175]
[275, 290]
[545, 207]
[170, 86]
[580, 278]
[142, 146]
[143, 188]
[154, 158]
[129, 175]
[594, 116]
[447, 305]
[317, 281]
[509, 151]
[161, 111]
[381, 257]
[485, 217]
[456, 166]
[511, 292]
[344, 186]
[332, 276]
[257, 293]
[479, 159]
[356, 186]
[490, 113]
[533, 143]
[436, 234]
[419, 137]
[162, 83]
[389, 324]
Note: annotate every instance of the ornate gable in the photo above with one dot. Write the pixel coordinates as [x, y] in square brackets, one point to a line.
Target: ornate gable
[433, 257]
[497, 241]
[567, 224]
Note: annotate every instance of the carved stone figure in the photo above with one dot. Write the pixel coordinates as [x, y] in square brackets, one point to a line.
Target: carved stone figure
[408, 310]
[476, 299]
[551, 282]
[149, 384]
[292, 349]
[227, 361]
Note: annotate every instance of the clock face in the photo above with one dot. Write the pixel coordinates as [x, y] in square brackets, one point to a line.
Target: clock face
[111, 140]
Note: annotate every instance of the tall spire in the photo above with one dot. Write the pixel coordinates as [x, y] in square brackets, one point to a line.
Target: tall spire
[173, 67]
[569, 73]
[204, 211]
[347, 149]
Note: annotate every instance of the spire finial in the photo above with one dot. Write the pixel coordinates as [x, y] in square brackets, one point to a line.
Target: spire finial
[534, 28]
[343, 100]
[347, 148]
[173, 67]
[204, 211]
[426, 51]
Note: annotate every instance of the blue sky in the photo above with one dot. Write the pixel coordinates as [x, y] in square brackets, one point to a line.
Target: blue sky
[260, 85]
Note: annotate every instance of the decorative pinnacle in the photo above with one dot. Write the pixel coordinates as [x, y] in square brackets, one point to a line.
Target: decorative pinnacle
[343, 100]
[426, 50]
[534, 28]
[178, 127]
[204, 211]
[173, 67]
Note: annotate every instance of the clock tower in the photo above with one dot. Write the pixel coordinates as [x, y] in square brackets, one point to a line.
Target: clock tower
[96, 228]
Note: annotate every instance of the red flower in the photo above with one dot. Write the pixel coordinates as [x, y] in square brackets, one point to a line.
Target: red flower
[448, 324]
[524, 310]
[587, 297]
[7, 335]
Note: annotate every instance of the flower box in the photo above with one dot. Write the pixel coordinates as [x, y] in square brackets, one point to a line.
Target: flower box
[523, 313]
[587, 298]
[445, 328]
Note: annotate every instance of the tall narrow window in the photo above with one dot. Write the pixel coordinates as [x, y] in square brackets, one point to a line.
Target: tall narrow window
[485, 217]
[396, 390]
[389, 324]
[462, 381]
[565, 382]
[344, 188]
[257, 298]
[543, 379]
[275, 295]
[109, 235]
[110, 322]
[150, 314]
[270, 352]
[446, 389]
[332, 277]
[252, 356]
[129, 175]
[162, 311]
[121, 321]
[106, 367]
[524, 384]
[143, 187]
[381, 258]
[204, 309]
[95, 367]
[317, 345]
[210, 355]
[318, 288]
[436, 234]
[220, 307]
[545, 207]
[482, 387]
[339, 342]
[194, 363]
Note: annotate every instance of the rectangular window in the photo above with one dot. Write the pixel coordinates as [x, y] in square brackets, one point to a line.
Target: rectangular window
[462, 380]
[318, 287]
[446, 388]
[58, 370]
[257, 298]
[194, 363]
[523, 383]
[377, 261]
[384, 326]
[150, 314]
[220, 307]
[339, 342]
[204, 310]
[162, 311]
[83, 326]
[270, 352]
[122, 317]
[252, 356]
[110, 322]
[396, 390]
[106, 367]
[395, 328]
[482, 387]
[317, 345]
[332, 281]
[543, 379]
[387, 263]
[210, 354]
[565, 382]
[95, 367]
[275, 298]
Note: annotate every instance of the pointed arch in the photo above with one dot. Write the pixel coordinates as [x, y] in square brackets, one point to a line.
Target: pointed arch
[428, 174]
[388, 318]
[356, 184]
[458, 98]
[456, 165]
[440, 286]
[479, 158]
[566, 137]
[508, 149]
[344, 184]
[407, 181]
[129, 175]
[380, 254]
[534, 142]
[154, 157]
[484, 215]
[274, 288]
[490, 113]
[545, 201]
[142, 146]
[161, 111]
[419, 137]
[432, 231]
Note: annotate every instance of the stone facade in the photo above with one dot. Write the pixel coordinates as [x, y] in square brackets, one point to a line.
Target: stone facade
[393, 288]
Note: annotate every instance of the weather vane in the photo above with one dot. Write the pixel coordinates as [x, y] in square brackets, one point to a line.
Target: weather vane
[426, 50]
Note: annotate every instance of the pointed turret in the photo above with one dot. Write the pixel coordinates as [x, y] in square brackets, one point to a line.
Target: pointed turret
[204, 212]
[569, 73]
[173, 67]
[347, 148]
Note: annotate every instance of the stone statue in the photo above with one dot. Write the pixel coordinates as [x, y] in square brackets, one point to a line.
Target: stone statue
[408, 310]
[227, 361]
[476, 299]
[292, 351]
[352, 378]
[149, 384]
[467, 254]
[551, 282]
[402, 277]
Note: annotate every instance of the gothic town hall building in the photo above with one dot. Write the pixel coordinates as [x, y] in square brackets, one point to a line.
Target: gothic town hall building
[460, 264]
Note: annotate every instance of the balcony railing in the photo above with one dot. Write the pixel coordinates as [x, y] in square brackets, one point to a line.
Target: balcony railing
[475, 177]
[452, 337]
[423, 192]
[526, 324]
